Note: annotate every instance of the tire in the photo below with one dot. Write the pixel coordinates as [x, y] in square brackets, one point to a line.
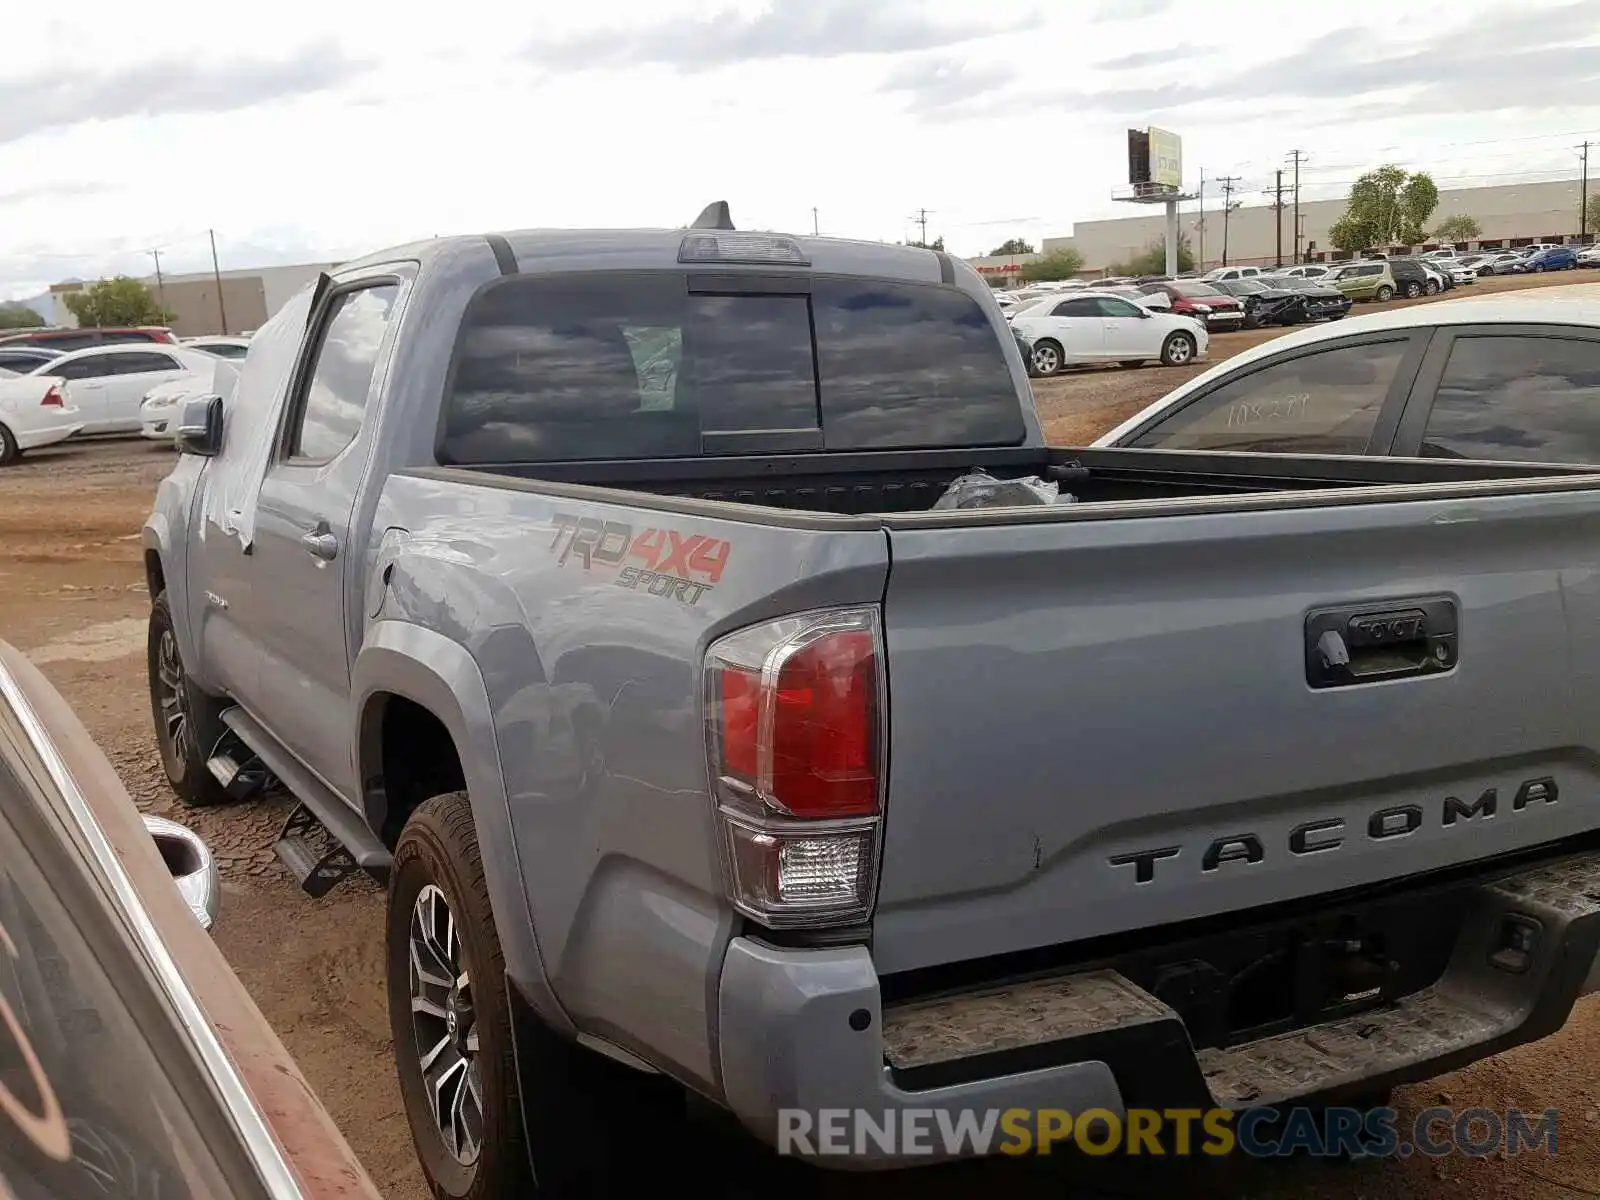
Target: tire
[1433, 287]
[1384, 294]
[9, 451]
[576, 1122]
[1131, 362]
[1048, 358]
[1178, 350]
[188, 723]
[1413, 290]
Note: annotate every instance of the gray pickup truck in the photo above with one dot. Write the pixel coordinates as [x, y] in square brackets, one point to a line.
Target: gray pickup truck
[593, 589]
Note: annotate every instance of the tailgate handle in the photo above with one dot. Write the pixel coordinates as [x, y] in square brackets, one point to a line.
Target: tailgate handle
[1351, 644]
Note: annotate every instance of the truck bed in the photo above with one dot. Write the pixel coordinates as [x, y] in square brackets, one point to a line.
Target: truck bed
[899, 482]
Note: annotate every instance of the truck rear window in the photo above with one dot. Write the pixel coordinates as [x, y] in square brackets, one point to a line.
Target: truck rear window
[635, 365]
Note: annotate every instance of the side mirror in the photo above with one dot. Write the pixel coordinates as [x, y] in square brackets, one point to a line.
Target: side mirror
[199, 428]
[192, 867]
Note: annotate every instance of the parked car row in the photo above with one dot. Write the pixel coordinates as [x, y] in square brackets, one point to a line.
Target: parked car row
[49, 394]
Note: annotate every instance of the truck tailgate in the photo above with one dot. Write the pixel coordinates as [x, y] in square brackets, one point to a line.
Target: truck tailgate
[1102, 723]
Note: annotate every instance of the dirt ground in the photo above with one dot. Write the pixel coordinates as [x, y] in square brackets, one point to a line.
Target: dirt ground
[72, 595]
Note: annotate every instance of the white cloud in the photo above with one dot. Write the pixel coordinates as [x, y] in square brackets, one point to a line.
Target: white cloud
[314, 130]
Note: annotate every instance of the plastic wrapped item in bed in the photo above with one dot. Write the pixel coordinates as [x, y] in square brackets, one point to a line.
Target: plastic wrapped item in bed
[979, 489]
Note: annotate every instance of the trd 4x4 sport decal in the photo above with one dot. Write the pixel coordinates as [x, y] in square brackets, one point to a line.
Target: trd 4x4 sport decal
[659, 562]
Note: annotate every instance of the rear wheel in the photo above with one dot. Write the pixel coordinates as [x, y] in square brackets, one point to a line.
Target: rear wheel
[1178, 350]
[9, 452]
[573, 1123]
[1047, 357]
[188, 722]
[1413, 290]
[1384, 294]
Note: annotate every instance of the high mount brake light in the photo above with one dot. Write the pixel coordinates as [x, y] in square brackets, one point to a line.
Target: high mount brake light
[742, 248]
[795, 738]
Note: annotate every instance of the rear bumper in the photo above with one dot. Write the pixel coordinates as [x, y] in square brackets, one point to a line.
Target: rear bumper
[805, 1030]
[49, 435]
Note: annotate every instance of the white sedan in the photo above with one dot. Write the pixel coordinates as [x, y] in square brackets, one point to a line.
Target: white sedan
[33, 412]
[1099, 326]
[108, 382]
[162, 403]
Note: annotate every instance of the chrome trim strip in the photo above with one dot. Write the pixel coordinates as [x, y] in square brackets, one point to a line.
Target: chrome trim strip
[265, 1153]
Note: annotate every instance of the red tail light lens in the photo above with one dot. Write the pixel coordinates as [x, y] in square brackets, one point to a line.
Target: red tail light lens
[824, 729]
[795, 739]
[53, 398]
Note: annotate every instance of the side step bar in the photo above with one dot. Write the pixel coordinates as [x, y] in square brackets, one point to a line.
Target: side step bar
[355, 846]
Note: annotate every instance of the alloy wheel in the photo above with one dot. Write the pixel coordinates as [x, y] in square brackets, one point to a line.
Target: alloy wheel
[445, 1026]
[1045, 360]
[171, 692]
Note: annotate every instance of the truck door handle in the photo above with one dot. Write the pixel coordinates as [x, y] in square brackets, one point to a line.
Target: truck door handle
[1367, 643]
[321, 544]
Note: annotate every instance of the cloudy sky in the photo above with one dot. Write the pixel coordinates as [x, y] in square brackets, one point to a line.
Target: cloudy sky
[318, 130]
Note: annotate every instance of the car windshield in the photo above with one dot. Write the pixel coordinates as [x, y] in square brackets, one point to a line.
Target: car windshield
[1190, 291]
[1288, 283]
[1248, 287]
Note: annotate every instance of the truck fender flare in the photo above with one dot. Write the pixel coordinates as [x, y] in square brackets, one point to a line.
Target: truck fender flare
[398, 658]
[155, 537]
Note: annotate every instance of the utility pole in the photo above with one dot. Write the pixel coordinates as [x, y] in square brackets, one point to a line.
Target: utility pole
[813, 221]
[161, 284]
[1298, 157]
[1277, 209]
[1226, 182]
[1583, 195]
[1200, 225]
[920, 217]
[216, 274]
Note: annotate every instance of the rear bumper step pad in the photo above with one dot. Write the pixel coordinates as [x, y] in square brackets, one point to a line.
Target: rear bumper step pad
[1523, 954]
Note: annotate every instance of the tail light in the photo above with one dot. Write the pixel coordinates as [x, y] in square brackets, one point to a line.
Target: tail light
[53, 398]
[796, 741]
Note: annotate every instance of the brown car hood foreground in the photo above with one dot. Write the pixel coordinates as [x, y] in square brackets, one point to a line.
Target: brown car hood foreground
[313, 1145]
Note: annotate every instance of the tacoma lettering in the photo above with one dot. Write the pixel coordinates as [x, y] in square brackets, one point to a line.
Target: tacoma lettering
[1241, 850]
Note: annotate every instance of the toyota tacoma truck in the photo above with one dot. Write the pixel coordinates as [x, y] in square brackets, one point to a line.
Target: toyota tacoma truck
[600, 592]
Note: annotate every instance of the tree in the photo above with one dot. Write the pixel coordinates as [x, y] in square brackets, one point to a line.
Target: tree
[936, 244]
[1591, 219]
[1152, 260]
[1387, 207]
[119, 301]
[1011, 246]
[1058, 264]
[19, 316]
[1459, 228]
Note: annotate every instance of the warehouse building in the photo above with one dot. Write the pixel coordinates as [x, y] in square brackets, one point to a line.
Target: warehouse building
[1510, 215]
[245, 300]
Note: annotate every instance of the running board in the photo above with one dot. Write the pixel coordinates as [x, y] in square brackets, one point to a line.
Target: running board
[342, 822]
[237, 768]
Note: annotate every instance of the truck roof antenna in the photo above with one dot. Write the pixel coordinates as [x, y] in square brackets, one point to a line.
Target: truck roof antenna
[714, 216]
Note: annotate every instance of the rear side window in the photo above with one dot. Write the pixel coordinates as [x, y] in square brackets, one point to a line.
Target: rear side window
[636, 365]
[1518, 399]
[1322, 403]
[138, 363]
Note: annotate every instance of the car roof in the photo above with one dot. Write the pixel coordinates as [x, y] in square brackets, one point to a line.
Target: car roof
[182, 353]
[536, 250]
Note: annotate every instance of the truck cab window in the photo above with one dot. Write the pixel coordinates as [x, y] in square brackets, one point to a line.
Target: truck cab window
[1518, 399]
[335, 395]
[1321, 403]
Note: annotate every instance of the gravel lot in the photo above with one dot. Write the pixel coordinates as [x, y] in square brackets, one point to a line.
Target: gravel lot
[72, 595]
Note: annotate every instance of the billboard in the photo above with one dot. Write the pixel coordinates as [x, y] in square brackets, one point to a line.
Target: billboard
[1166, 157]
[1155, 156]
